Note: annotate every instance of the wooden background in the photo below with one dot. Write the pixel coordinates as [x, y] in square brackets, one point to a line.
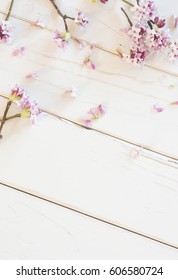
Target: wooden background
[71, 193]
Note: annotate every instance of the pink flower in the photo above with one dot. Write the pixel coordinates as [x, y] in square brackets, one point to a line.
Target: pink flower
[159, 22]
[62, 39]
[157, 108]
[89, 62]
[86, 122]
[81, 19]
[16, 93]
[104, 1]
[97, 112]
[93, 115]
[136, 56]
[5, 31]
[32, 76]
[72, 92]
[29, 108]
[19, 51]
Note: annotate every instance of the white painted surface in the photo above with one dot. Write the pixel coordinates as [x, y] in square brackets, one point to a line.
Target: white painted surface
[34, 229]
[83, 169]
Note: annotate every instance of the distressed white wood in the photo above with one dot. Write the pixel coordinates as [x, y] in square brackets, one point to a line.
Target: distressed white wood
[128, 93]
[81, 168]
[34, 229]
[91, 173]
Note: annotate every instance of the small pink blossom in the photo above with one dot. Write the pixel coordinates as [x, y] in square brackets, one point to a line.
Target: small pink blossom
[6, 29]
[93, 114]
[73, 92]
[157, 108]
[86, 122]
[29, 109]
[136, 56]
[62, 39]
[16, 93]
[19, 51]
[81, 43]
[88, 61]
[97, 112]
[81, 19]
[32, 76]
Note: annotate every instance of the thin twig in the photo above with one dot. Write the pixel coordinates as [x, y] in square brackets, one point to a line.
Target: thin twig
[10, 10]
[13, 117]
[64, 17]
[9, 103]
[128, 3]
[127, 16]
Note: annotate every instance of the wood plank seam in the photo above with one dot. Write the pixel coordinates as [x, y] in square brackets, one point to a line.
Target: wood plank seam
[97, 46]
[97, 218]
[152, 153]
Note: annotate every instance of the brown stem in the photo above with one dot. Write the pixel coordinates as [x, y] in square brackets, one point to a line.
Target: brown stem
[129, 21]
[13, 117]
[64, 17]
[10, 10]
[4, 117]
[128, 3]
[150, 24]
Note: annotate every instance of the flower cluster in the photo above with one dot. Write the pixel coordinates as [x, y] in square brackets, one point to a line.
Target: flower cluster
[148, 33]
[62, 39]
[29, 109]
[81, 19]
[6, 34]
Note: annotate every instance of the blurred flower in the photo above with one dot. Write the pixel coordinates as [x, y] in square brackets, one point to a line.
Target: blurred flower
[19, 51]
[88, 61]
[16, 93]
[81, 19]
[62, 39]
[96, 112]
[32, 76]
[158, 108]
[6, 34]
[73, 92]
[29, 108]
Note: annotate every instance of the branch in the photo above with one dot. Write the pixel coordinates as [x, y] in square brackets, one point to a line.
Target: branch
[64, 17]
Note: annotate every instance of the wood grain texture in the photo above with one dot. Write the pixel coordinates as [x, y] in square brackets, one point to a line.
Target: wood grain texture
[84, 169]
[91, 173]
[33, 229]
[129, 93]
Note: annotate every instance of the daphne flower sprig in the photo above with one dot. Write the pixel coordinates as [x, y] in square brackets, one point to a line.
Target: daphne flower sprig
[28, 108]
[148, 33]
[62, 39]
[81, 19]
